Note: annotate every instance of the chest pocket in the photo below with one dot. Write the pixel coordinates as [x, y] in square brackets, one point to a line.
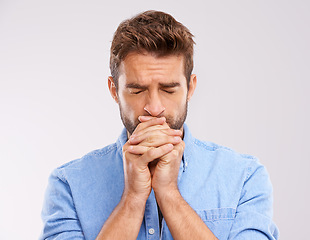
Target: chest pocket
[218, 220]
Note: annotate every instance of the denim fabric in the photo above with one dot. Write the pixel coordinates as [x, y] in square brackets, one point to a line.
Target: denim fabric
[231, 192]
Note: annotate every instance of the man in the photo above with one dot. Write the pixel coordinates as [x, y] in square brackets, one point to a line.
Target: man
[157, 181]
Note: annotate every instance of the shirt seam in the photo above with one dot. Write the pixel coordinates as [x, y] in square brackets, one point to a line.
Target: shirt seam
[218, 147]
[63, 178]
[99, 152]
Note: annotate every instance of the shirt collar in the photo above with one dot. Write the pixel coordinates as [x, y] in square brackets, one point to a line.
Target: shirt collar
[188, 139]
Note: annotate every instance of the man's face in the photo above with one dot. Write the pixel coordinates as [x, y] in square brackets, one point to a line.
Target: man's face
[152, 86]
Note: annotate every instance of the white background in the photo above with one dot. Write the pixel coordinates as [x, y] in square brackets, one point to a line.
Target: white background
[252, 59]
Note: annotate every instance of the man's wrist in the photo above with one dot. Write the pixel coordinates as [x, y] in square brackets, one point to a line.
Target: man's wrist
[133, 204]
[167, 195]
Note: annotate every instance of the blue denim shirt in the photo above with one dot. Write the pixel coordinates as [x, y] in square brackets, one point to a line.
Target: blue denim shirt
[231, 192]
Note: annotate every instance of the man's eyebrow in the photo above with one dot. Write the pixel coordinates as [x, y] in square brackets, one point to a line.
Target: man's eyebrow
[135, 85]
[170, 85]
[164, 85]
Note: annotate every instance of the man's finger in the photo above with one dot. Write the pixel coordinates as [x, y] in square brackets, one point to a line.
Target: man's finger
[137, 149]
[156, 139]
[147, 118]
[155, 132]
[177, 152]
[151, 122]
[154, 153]
[148, 129]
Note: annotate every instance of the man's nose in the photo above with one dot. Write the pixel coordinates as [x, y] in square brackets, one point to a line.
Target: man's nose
[154, 106]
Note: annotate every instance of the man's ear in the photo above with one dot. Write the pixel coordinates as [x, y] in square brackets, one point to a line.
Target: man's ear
[112, 88]
[192, 86]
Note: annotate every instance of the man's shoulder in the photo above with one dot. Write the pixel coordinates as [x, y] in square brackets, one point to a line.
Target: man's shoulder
[215, 159]
[214, 147]
[97, 154]
[211, 152]
[101, 158]
[223, 155]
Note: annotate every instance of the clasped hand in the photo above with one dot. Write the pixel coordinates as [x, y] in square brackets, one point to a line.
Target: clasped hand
[152, 157]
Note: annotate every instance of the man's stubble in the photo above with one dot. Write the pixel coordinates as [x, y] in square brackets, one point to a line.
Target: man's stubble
[172, 123]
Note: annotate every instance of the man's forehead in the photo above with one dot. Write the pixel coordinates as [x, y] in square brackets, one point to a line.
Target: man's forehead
[151, 61]
[143, 68]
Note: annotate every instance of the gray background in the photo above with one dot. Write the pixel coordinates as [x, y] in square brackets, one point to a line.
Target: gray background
[252, 62]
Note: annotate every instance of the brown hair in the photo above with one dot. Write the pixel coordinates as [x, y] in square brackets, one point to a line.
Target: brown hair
[154, 32]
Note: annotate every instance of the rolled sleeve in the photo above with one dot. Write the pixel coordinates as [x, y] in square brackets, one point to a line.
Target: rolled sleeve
[58, 214]
[253, 218]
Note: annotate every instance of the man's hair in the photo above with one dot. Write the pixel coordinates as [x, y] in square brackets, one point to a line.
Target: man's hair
[153, 32]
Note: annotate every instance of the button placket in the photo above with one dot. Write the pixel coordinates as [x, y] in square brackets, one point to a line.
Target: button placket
[151, 219]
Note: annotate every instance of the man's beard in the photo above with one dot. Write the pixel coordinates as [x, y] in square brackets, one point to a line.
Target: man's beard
[172, 123]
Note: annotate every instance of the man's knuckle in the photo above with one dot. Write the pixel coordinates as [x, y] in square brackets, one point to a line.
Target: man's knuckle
[125, 147]
[151, 153]
[182, 146]
[138, 128]
[126, 154]
[151, 139]
[175, 153]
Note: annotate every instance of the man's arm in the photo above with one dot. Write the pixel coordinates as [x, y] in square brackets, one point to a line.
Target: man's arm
[182, 220]
[125, 221]
[254, 212]
[58, 207]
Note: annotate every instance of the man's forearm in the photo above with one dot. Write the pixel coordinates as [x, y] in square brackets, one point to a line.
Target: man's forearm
[124, 222]
[183, 222]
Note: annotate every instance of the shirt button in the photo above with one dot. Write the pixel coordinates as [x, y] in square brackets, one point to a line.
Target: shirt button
[151, 231]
